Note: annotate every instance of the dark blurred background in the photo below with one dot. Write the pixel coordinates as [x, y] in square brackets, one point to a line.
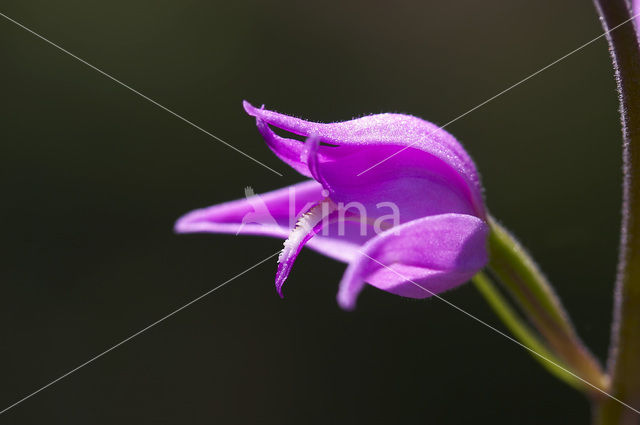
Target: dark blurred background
[94, 176]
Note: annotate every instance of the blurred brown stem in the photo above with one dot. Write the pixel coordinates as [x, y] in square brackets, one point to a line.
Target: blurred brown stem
[624, 353]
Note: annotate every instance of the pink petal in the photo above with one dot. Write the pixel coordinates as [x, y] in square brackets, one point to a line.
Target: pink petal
[391, 133]
[273, 214]
[419, 258]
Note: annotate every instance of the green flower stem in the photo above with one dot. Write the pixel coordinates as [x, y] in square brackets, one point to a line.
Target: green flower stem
[624, 353]
[522, 332]
[530, 289]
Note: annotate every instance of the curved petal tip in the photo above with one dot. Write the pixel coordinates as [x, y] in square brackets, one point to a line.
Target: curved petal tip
[184, 224]
[280, 278]
[346, 302]
[249, 108]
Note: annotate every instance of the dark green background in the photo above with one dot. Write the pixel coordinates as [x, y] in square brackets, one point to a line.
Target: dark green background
[94, 176]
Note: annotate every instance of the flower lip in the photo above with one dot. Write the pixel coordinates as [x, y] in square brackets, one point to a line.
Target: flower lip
[308, 225]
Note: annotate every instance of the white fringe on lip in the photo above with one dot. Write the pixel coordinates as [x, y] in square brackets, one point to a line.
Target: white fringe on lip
[304, 226]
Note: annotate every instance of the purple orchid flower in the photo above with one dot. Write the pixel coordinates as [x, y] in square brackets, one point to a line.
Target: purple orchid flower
[361, 170]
